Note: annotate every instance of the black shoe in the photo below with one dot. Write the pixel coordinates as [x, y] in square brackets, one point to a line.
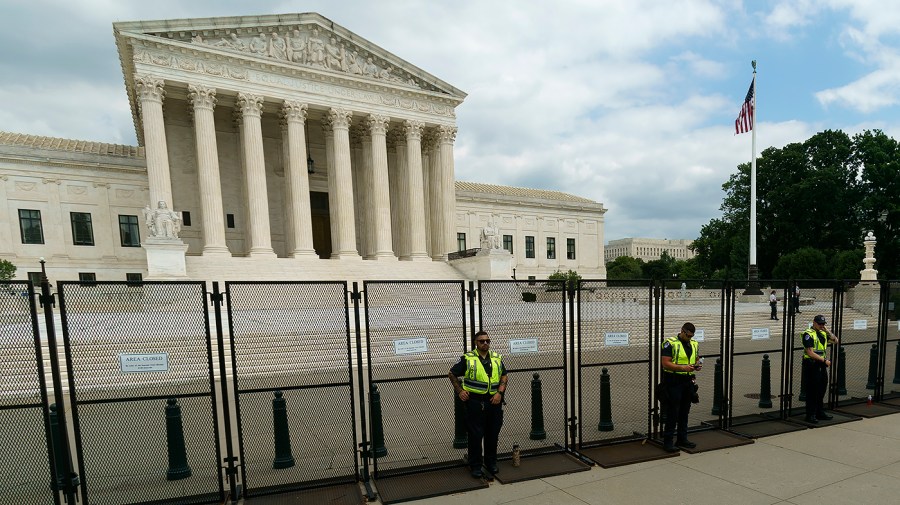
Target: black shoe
[494, 469]
[668, 446]
[686, 443]
[811, 420]
[477, 473]
[822, 416]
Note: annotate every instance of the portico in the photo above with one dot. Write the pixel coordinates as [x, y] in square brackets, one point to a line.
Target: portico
[229, 112]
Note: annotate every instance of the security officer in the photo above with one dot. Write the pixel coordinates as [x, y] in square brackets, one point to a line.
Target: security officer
[815, 368]
[482, 391]
[679, 362]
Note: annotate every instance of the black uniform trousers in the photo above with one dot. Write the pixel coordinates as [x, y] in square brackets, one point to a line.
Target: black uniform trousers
[484, 420]
[679, 390]
[815, 382]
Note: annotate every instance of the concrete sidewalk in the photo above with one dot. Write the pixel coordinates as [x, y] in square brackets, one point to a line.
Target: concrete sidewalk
[856, 462]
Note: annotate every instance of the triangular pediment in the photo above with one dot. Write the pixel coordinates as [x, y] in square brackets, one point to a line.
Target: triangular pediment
[307, 40]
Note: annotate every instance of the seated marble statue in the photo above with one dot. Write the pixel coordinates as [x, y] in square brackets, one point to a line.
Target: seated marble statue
[162, 222]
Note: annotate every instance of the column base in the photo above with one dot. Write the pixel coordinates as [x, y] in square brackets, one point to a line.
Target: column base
[304, 254]
[346, 255]
[442, 257]
[384, 256]
[221, 251]
[417, 257]
[262, 252]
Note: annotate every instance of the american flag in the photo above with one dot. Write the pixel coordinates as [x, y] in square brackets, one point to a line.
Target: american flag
[744, 121]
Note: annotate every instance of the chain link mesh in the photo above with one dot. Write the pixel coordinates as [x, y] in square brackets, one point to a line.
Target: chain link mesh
[120, 412]
[293, 339]
[892, 342]
[24, 467]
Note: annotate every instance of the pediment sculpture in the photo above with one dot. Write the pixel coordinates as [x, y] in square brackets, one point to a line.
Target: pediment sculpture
[306, 45]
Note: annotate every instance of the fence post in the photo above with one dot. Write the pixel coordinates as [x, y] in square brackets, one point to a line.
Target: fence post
[461, 433]
[283, 456]
[897, 365]
[606, 423]
[178, 464]
[765, 384]
[717, 388]
[59, 479]
[873, 365]
[842, 372]
[537, 410]
[378, 448]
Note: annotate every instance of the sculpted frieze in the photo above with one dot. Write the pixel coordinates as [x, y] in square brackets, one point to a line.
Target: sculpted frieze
[311, 46]
[192, 64]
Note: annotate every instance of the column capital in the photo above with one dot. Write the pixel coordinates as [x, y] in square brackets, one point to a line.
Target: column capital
[237, 118]
[150, 87]
[446, 133]
[250, 104]
[293, 110]
[377, 124]
[396, 136]
[413, 129]
[202, 97]
[340, 117]
[429, 139]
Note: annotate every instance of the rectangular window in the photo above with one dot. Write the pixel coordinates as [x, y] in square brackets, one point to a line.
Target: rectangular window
[460, 241]
[30, 226]
[129, 233]
[529, 246]
[532, 280]
[134, 278]
[87, 277]
[570, 248]
[551, 248]
[507, 243]
[35, 278]
[229, 220]
[185, 218]
[82, 230]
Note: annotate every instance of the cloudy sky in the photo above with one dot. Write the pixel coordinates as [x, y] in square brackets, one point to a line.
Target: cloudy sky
[628, 102]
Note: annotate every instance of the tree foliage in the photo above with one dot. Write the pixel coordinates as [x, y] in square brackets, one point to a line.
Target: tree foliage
[821, 194]
[625, 267]
[7, 270]
[559, 278]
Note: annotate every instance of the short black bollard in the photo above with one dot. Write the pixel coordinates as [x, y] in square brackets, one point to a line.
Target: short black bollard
[842, 372]
[873, 365]
[178, 464]
[765, 384]
[717, 388]
[537, 410]
[461, 433]
[606, 423]
[897, 365]
[59, 480]
[377, 427]
[283, 456]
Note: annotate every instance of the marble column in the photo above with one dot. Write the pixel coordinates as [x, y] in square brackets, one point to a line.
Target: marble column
[254, 161]
[380, 188]
[362, 185]
[342, 212]
[203, 100]
[435, 197]
[417, 245]
[446, 138]
[399, 178]
[298, 181]
[150, 93]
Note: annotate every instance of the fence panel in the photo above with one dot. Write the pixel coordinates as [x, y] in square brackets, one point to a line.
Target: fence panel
[292, 377]
[891, 366]
[816, 297]
[614, 340]
[859, 343]
[415, 332]
[140, 376]
[531, 336]
[25, 468]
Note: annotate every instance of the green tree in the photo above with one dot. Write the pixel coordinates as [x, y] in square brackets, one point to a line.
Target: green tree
[879, 157]
[559, 278]
[625, 267]
[661, 269]
[7, 270]
[846, 264]
[805, 263]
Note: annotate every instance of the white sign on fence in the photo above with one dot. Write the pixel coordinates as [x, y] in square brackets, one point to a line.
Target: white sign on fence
[699, 336]
[860, 324]
[134, 363]
[616, 339]
[759, 334]
[410, 345]
[523, 345]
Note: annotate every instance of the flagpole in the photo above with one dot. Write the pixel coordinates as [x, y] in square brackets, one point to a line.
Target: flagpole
[753, 272]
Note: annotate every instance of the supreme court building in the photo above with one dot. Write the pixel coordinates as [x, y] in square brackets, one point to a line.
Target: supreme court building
[274, 147]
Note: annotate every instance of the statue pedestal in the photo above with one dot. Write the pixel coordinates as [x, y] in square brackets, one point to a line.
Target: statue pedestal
[165, 259]
[487, 264]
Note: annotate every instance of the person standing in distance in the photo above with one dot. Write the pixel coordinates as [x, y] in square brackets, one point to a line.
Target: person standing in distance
[679, 362]
[773, 303]
[482, 390]
[815, 368]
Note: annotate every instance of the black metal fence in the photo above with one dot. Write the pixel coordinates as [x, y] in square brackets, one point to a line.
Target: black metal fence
[158, 407]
